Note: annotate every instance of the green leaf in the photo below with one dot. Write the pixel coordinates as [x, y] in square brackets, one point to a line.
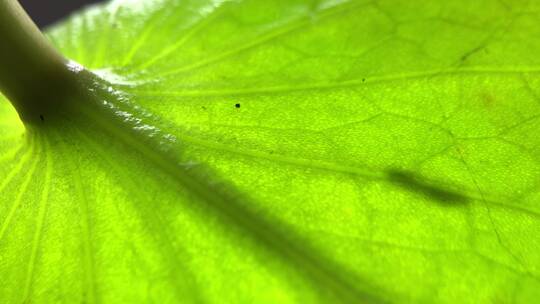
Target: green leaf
[282, 152]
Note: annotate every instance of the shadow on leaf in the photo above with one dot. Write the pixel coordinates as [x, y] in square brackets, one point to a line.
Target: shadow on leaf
[415, 183]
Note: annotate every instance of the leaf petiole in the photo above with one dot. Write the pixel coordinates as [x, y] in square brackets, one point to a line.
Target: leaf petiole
[33, 75]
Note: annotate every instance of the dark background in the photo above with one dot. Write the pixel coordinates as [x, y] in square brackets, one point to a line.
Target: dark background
[46, 12]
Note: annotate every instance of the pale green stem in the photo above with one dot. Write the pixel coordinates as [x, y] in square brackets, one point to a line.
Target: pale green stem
[33, 75]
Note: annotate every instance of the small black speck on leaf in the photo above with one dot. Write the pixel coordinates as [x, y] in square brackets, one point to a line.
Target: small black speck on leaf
[41, 117]
[237, 105]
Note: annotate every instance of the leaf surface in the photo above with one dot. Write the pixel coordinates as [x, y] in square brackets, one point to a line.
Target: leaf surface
[283, 152]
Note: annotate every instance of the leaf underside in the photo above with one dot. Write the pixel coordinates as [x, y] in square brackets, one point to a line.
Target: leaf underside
[283, 152]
